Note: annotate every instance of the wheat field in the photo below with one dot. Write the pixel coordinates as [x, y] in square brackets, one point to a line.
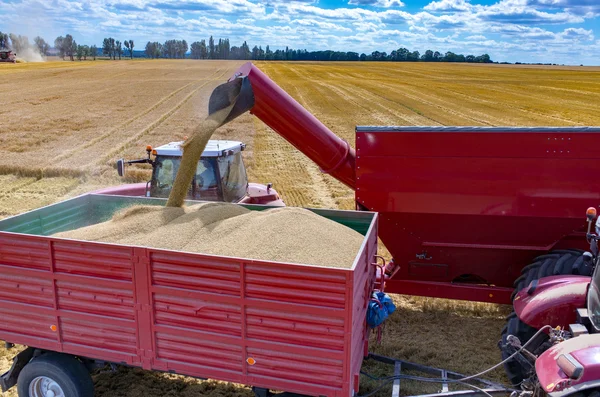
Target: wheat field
[64, 124]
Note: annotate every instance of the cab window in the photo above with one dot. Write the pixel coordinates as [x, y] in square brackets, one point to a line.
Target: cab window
[204, 186]
[233, 177]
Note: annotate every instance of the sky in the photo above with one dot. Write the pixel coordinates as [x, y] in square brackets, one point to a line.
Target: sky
[547, 31]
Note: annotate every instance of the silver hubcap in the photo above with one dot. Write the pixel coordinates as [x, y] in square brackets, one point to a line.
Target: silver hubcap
[42, 386]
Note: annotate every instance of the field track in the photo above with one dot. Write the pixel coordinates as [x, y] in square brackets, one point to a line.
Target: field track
[64, 124]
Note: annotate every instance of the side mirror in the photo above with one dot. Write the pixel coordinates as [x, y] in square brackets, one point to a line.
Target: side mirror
[121, 167]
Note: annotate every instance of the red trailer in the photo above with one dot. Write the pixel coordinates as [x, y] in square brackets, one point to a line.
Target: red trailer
[281, 326]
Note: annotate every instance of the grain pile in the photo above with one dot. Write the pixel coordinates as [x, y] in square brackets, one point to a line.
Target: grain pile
[283, 234]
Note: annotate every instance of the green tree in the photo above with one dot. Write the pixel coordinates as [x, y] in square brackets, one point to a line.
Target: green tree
[130, 46]
[18, 42]
[58, 44]
[80, 52]
[4, 41]
[211, 48]
[118, 49]
[41, 45]
[93, 52]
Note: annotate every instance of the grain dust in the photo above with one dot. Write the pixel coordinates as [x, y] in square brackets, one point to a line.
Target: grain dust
[192, 151]
[284, 234]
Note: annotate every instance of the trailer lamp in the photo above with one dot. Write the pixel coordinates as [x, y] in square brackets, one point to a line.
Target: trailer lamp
[250, 361]
[571, 367]
[591, 213]
[53, 328]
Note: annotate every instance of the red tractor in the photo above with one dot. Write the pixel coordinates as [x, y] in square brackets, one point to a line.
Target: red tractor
[552, 339]
[220, 175]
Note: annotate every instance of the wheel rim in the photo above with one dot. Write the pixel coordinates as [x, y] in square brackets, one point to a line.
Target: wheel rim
[42, 386]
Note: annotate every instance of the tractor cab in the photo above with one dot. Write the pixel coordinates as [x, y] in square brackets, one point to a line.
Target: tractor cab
[220, 173]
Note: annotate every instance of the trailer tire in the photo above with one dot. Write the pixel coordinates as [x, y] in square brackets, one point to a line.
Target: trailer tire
[64, 374]
[555, 263]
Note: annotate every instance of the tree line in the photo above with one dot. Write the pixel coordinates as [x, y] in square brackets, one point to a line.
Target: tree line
[222, 49]
[18, 43]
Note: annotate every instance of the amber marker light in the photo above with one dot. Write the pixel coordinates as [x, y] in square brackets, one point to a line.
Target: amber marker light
[53, 328]
[250, 361]
[148, 148]
[591, 213]
[154, 152]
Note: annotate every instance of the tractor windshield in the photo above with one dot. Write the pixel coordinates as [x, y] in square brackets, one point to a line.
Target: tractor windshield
[233, 177]
[593, 299]
[205, 185]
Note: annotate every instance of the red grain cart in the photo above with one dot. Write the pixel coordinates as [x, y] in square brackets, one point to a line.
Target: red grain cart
[463, 209]
[281, 326]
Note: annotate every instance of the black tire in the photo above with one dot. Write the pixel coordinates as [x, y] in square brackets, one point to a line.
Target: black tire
[68, 372]
[516, 372]
[555, 263]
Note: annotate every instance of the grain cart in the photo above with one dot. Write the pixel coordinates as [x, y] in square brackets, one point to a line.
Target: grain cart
[220, 175]
[472, 213]
[78, 304]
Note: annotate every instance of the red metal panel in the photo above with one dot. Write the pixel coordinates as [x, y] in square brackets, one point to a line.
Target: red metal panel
[477, 204]
[363, 283]
[78, 297]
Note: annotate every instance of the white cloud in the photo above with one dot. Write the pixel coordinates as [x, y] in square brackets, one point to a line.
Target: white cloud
[448, 5]
[507, 29]
[377, 3]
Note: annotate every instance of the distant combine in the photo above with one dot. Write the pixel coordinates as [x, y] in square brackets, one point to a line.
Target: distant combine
[8, 56]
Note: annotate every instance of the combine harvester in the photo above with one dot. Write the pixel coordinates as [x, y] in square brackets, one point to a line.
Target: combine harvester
[8, 56]
[472, 213]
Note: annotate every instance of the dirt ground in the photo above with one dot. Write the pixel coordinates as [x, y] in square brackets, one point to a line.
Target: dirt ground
[63, 126]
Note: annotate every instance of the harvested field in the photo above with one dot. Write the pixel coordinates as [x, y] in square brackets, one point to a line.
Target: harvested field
[64, 124]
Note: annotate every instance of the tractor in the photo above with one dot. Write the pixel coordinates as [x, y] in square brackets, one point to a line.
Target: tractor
[220, 175]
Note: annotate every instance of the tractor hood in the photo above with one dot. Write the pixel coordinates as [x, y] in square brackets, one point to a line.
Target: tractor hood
[551, 300]
[583, 351]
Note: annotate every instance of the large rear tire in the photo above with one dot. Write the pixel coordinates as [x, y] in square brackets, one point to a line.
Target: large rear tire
[54, 374]
[555, 263]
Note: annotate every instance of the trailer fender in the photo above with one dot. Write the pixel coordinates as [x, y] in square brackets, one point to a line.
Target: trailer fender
[579, 356]
[551, 300]
[9, 378]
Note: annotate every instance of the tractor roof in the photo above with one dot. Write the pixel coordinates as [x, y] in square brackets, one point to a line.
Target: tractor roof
[214, 148]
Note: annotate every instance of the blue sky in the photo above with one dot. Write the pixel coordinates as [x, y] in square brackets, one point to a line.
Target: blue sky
[558, 31]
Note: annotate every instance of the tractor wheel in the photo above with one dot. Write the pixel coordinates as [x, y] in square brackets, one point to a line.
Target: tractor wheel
[57, 375]
[555, 263]
[515, 371]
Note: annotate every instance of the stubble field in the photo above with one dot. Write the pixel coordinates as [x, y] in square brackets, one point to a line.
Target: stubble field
[63, 125]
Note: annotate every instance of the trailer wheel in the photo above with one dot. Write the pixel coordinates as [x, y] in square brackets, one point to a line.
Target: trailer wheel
[55, 375]
[555, 263]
